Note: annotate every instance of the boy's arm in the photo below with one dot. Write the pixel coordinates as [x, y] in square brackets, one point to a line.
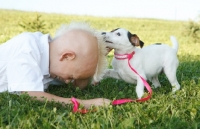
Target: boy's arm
[42, 96]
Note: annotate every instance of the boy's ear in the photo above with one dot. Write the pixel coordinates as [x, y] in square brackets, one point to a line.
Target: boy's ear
[68, 56]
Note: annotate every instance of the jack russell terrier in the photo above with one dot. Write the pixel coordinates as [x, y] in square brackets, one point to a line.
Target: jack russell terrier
[149, 61]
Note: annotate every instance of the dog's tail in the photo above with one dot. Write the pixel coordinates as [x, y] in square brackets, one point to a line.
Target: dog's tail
[175, 43]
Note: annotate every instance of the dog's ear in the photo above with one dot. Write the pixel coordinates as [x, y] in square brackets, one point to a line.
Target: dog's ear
[136, 41]
[141, 44]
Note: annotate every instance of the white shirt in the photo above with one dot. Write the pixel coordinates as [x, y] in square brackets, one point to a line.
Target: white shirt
[24, 63]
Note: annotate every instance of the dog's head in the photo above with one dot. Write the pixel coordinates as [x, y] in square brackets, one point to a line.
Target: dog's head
[122, 39]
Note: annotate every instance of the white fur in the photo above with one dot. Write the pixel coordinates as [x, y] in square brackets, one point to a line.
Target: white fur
[149, 61]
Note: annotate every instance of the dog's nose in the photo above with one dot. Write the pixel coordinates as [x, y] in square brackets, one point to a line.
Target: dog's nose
[103, 33]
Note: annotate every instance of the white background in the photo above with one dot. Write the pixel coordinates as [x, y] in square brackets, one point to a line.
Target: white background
[159, 9]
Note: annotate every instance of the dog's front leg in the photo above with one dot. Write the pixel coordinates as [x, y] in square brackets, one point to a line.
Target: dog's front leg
[139, 87]
[112, 74]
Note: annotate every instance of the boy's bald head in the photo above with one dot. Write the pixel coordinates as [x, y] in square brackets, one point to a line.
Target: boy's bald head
[85, 46]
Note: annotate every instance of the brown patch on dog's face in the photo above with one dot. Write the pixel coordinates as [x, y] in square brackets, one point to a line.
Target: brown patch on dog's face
[134, 39]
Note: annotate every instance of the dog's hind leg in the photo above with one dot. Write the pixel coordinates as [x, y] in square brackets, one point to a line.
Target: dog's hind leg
[155, 81]
[171, 75]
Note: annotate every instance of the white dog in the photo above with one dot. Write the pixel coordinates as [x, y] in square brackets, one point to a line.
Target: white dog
[149, 61]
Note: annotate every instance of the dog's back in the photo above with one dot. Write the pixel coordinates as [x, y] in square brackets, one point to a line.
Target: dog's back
[159, 54]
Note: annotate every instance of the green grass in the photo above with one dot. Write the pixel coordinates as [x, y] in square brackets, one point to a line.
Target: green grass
[163, 111]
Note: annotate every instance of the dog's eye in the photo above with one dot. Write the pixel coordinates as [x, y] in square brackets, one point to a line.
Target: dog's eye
[118, 34]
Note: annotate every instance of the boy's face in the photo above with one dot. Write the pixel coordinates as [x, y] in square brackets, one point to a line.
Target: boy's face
[79, 71]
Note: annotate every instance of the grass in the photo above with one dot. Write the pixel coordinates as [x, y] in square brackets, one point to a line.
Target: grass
[162, 111]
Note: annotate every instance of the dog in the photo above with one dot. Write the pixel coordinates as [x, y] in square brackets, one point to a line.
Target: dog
[148, 61]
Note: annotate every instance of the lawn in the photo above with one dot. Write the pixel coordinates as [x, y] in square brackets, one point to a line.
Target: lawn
[163, 111]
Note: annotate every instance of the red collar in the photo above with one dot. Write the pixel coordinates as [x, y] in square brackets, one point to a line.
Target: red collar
[124, 56]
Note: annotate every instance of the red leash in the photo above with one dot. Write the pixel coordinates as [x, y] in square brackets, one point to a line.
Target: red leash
[76, 105]
[119, 101]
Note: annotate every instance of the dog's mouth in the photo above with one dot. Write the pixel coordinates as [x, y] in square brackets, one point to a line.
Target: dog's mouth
[108, 41]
